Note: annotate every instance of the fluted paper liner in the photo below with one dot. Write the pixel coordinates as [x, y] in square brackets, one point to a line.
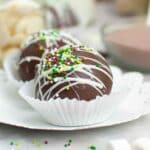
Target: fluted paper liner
[71, 112]
[10, 67]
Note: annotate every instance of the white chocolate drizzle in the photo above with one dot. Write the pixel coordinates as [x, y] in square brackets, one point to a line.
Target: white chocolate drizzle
[51, 38]
[71, 81]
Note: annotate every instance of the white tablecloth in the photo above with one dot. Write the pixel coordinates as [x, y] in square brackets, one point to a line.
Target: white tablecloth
[24, 139]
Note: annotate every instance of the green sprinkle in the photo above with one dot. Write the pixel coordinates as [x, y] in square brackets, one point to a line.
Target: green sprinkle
[92, 147]
[42, 36]
[11, 143]
[70, 141]
[98, 65]
[68, 144]
[55, 32]
[65, 145]
[60, 61]
[72, 68]
[54, 70]
[65, 77]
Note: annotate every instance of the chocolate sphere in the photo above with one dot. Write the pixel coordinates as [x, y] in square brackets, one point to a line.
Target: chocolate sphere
[73, 72]
[34, 48]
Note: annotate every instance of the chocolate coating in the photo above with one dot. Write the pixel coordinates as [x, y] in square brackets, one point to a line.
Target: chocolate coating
[90, 79]
[27, 69]
[34, 48]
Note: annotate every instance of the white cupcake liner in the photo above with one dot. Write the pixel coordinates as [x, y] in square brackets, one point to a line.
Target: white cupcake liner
[66, 112]
[10, 67]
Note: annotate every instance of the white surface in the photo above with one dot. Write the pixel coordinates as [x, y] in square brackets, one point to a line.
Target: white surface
[120, 144]
[141, 144]
[81, 139]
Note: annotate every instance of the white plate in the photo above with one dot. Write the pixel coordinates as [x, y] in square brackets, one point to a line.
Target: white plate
[16, 112]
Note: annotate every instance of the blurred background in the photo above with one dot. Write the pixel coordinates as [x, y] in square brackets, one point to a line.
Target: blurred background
[91, 21]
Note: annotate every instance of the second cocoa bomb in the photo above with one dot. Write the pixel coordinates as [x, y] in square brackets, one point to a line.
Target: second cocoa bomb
[73, 72]
[35, 46]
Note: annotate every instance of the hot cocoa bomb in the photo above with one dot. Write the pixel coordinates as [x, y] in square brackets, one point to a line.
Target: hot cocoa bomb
[72, 72]
[35, 46]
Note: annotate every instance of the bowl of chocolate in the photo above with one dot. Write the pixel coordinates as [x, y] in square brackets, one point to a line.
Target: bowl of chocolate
[72, 87]
[129, 45]
[21, 66]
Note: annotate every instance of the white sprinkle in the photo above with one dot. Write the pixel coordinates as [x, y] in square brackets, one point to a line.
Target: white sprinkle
[57, 95]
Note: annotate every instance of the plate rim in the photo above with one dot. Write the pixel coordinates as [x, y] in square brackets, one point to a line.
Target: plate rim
[60, 128]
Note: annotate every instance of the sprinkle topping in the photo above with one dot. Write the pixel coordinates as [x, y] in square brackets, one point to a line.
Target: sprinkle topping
[92, 147]
[49, 36]
[60, 60]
